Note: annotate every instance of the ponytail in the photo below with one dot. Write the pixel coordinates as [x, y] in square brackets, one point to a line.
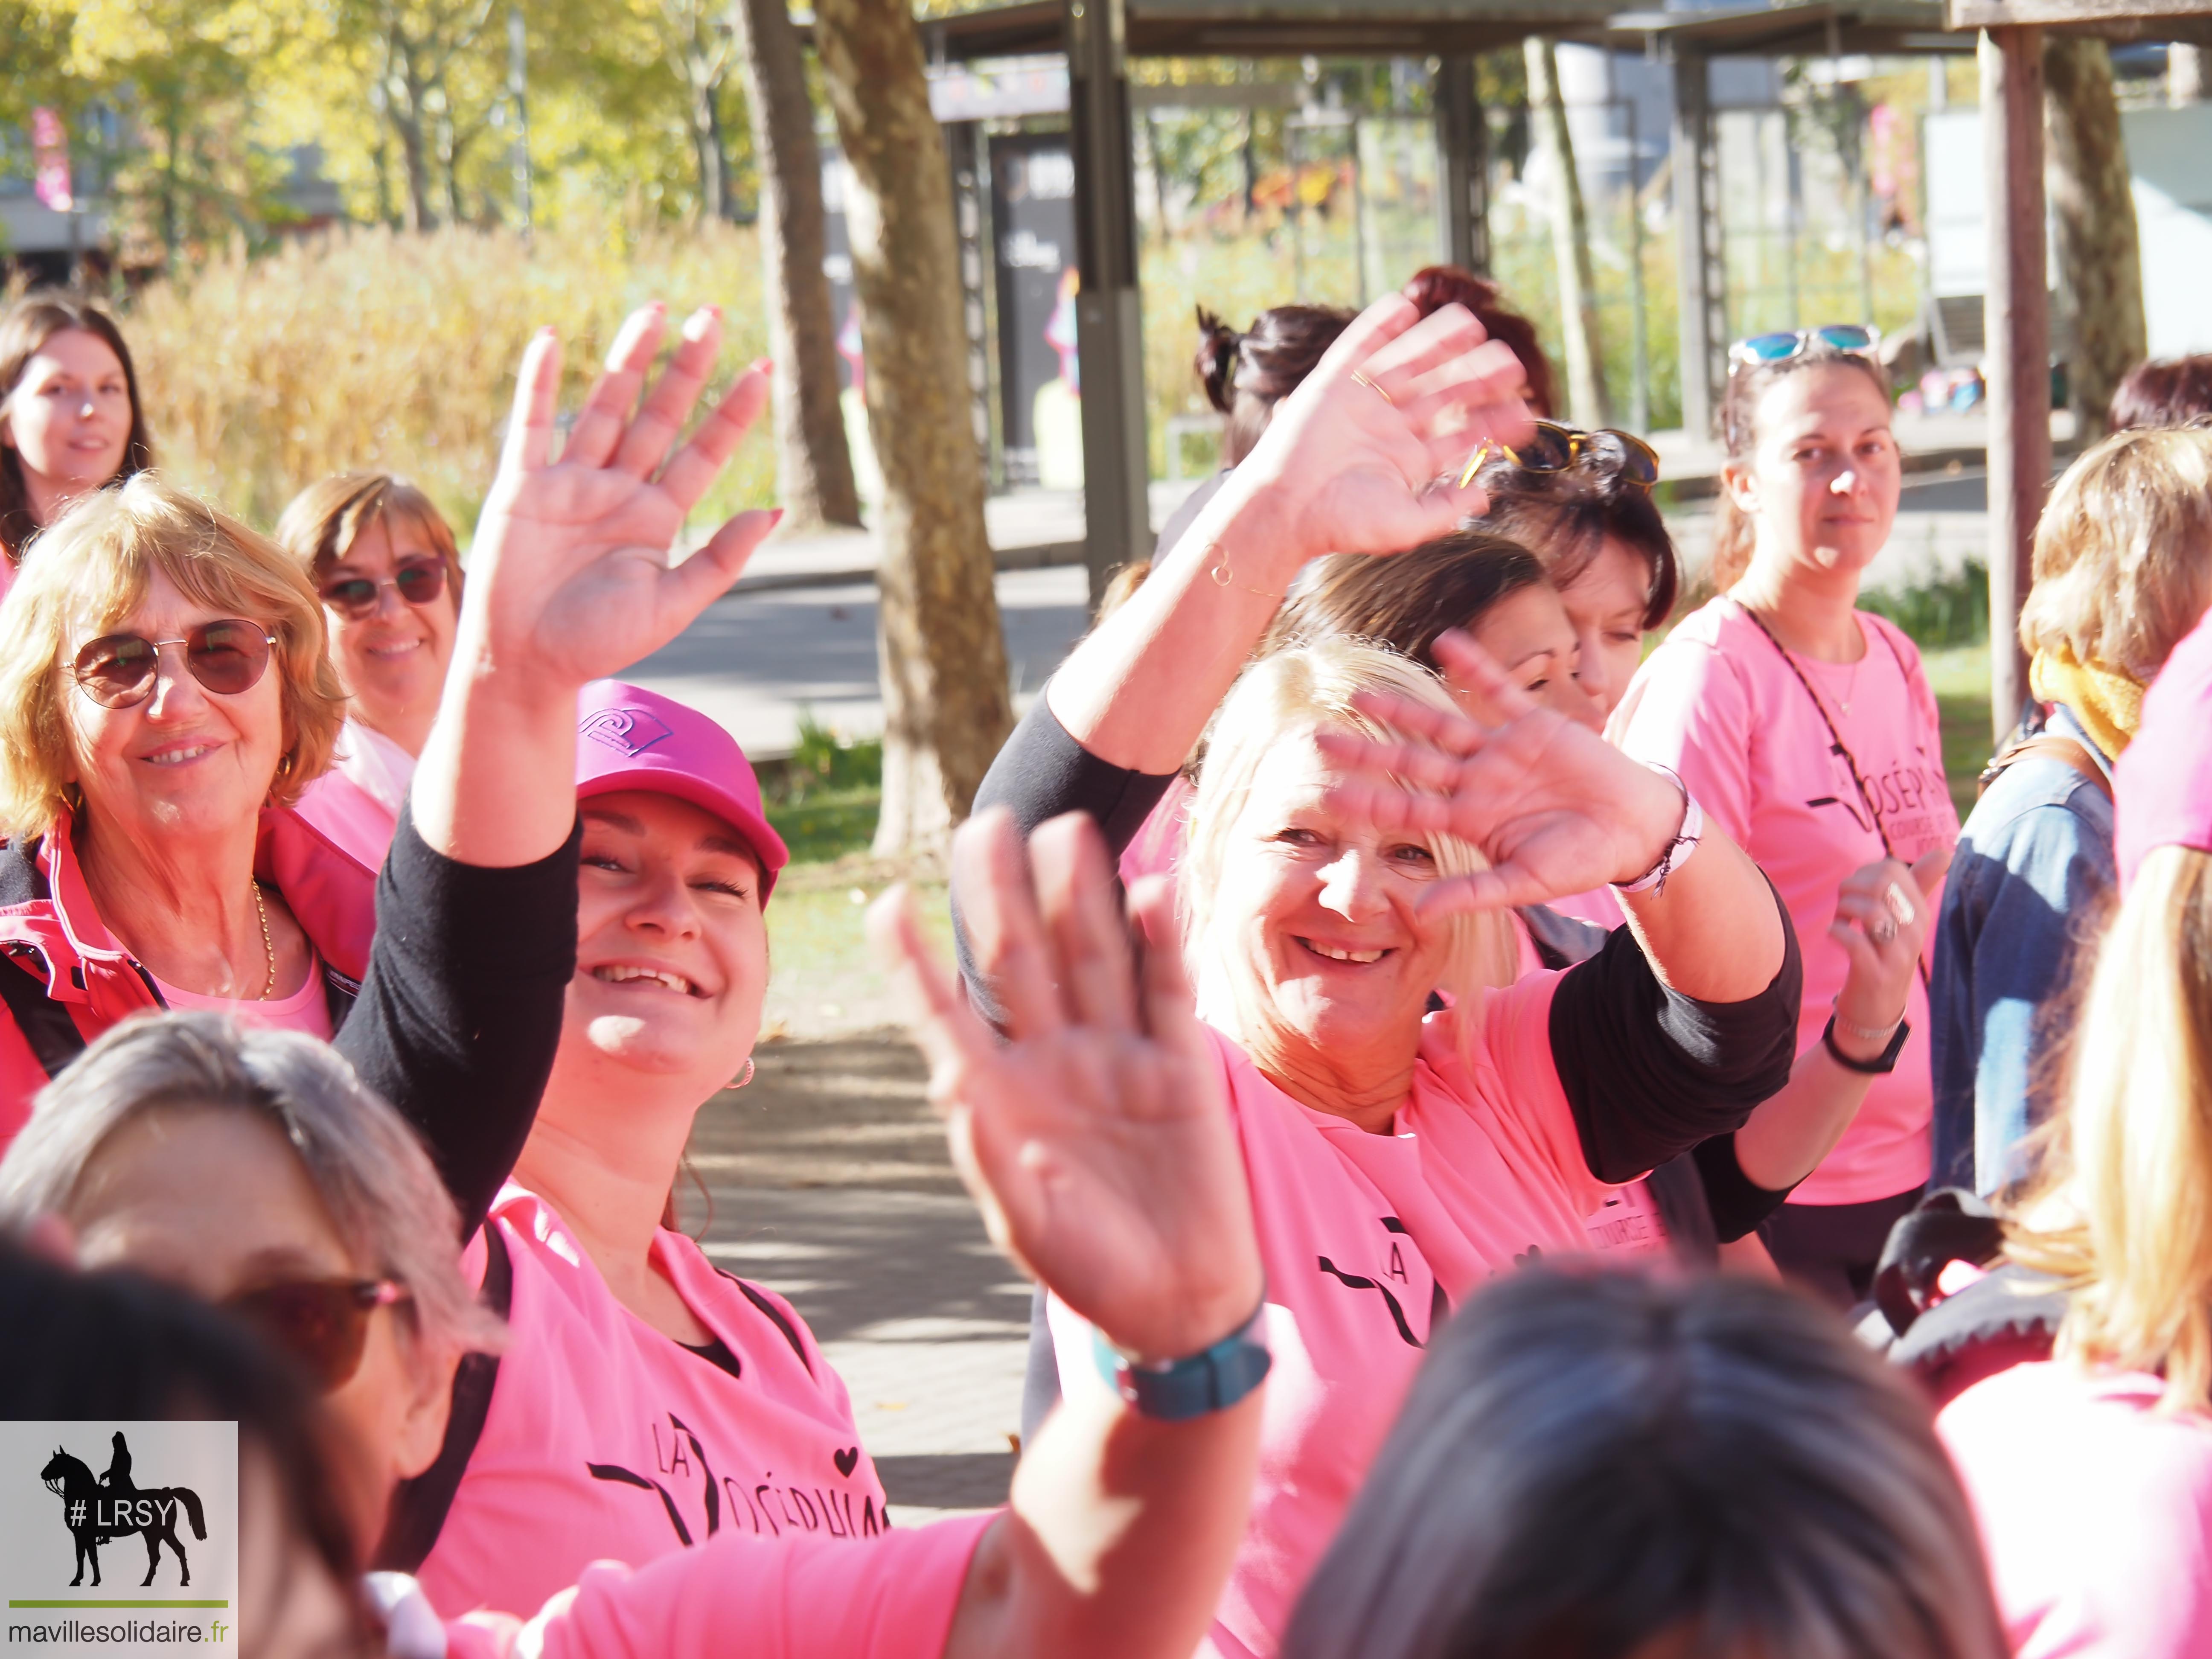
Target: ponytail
[1733, 540]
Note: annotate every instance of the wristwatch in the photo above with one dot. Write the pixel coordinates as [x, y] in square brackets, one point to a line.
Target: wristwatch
[1177, 1390]
[1881, 1065]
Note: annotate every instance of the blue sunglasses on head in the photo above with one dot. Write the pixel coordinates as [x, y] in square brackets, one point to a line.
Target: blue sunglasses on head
[1852, 339]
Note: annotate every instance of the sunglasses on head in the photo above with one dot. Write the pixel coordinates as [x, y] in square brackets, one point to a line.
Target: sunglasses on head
[226, 656]
[1851, 338]
[321, 1322]
[1554, 448]
[419, 581]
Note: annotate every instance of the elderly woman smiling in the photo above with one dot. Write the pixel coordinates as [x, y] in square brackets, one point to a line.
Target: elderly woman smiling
[164, 694]
[1396, 1159]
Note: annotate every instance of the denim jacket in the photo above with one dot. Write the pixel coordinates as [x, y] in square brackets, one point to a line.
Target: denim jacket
[2033, 870]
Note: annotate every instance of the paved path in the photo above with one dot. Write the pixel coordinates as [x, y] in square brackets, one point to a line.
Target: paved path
[829, 1183]
[760, 661]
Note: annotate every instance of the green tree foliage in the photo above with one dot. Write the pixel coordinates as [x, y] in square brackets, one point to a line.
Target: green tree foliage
[193, 109]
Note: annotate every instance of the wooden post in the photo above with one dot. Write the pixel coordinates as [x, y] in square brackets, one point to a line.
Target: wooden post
[2017, 320]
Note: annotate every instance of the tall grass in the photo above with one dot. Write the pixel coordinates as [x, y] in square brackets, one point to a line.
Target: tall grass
[369, 348]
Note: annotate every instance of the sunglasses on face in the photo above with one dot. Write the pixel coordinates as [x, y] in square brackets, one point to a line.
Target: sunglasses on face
[1851, 338]
[419, 581]
[227, 656]
[1554, 448]
[321, 1322]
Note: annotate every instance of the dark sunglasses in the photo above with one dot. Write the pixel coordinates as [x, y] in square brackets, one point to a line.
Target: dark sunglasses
[227, 656]
[419, 582]
[321, 1322]
[1554, 448]
[1851, 338]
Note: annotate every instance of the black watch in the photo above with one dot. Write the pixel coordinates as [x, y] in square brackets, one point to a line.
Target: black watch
[1881, 1065]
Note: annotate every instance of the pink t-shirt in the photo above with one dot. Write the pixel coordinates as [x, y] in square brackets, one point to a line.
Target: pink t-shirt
[1366, 1239]
[1718, 702]
[307, 1008]
[2096, 1513]
[793, 1598]
[607, 1441]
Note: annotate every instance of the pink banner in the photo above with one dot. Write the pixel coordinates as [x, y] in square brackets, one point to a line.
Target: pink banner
[50, 153]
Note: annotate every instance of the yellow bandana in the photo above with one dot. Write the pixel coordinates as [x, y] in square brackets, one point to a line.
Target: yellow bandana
[2108, 705]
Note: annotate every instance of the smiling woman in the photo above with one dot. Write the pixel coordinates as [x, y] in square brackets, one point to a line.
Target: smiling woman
[70, 416]
[164, 696]
[383, 560]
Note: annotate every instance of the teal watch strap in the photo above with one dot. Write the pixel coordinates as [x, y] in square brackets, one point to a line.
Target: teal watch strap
[1212, 1380]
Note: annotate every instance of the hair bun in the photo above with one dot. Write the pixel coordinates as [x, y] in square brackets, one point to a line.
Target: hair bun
[1216, 361]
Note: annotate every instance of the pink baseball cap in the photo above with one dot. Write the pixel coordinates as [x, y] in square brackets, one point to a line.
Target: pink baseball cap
[2163, 784]
[629, 738]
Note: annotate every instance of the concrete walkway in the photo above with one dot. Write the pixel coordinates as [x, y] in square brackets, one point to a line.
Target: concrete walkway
[828, 1182]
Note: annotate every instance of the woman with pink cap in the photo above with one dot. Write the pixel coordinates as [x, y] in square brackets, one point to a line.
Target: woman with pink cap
[2091, 1471]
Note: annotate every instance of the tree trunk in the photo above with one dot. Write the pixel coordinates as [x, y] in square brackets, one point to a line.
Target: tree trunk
[406, 116]
[2100, 258]
[1586, 387]
[813, 467]
[706, 144]
[945, 704]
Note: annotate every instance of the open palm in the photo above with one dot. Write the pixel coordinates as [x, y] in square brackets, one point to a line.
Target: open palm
[1367, 452]
[573, 554]
[1095, 1140]
[1553, 807]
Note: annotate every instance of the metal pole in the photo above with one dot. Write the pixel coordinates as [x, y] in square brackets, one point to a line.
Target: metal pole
[1109, 352]
[1703, 277]
[1639, 337]
[1462, 168]
[2017, 324]
[518, 80]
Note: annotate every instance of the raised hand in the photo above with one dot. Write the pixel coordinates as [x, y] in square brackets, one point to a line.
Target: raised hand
[1096, 1141]
[570, 577]
[1553, 806]
[1883, 913]
[1367, 453]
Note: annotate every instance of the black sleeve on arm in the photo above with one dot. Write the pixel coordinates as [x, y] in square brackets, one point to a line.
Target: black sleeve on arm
[1738, 1203]
[1650, 1072]
[460, 1012]
[1040, 773]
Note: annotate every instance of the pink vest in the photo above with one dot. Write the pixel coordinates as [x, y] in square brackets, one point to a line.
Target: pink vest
[607, 1441]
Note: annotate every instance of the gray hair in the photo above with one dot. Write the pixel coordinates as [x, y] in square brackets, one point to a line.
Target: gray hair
[1590, 1461]
[378, 1184]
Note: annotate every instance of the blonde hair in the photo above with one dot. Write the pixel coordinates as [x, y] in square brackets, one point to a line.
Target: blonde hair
[326, 519]
[2122, 1212]
[2123, 552]
[1293, 692]
[93, 567]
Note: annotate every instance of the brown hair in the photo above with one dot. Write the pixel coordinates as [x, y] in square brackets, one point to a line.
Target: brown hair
[30, 323]
[326, 519]
[2124, 551]
[1564, 519]
[1246, 375]
[1434, 287]
[1405, 600]
[2171, 393]
[1732, 537]
[1596, 1463]
[93, 565]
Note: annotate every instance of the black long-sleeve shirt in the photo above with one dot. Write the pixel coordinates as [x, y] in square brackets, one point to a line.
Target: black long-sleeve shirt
[460, 1014]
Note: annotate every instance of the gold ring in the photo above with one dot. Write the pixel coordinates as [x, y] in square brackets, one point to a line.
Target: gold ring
[1361, 377]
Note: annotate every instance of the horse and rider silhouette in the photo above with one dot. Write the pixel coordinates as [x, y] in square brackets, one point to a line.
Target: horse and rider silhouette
[98, 1512]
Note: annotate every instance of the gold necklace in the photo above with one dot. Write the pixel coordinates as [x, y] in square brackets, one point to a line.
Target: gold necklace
[268, 949]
